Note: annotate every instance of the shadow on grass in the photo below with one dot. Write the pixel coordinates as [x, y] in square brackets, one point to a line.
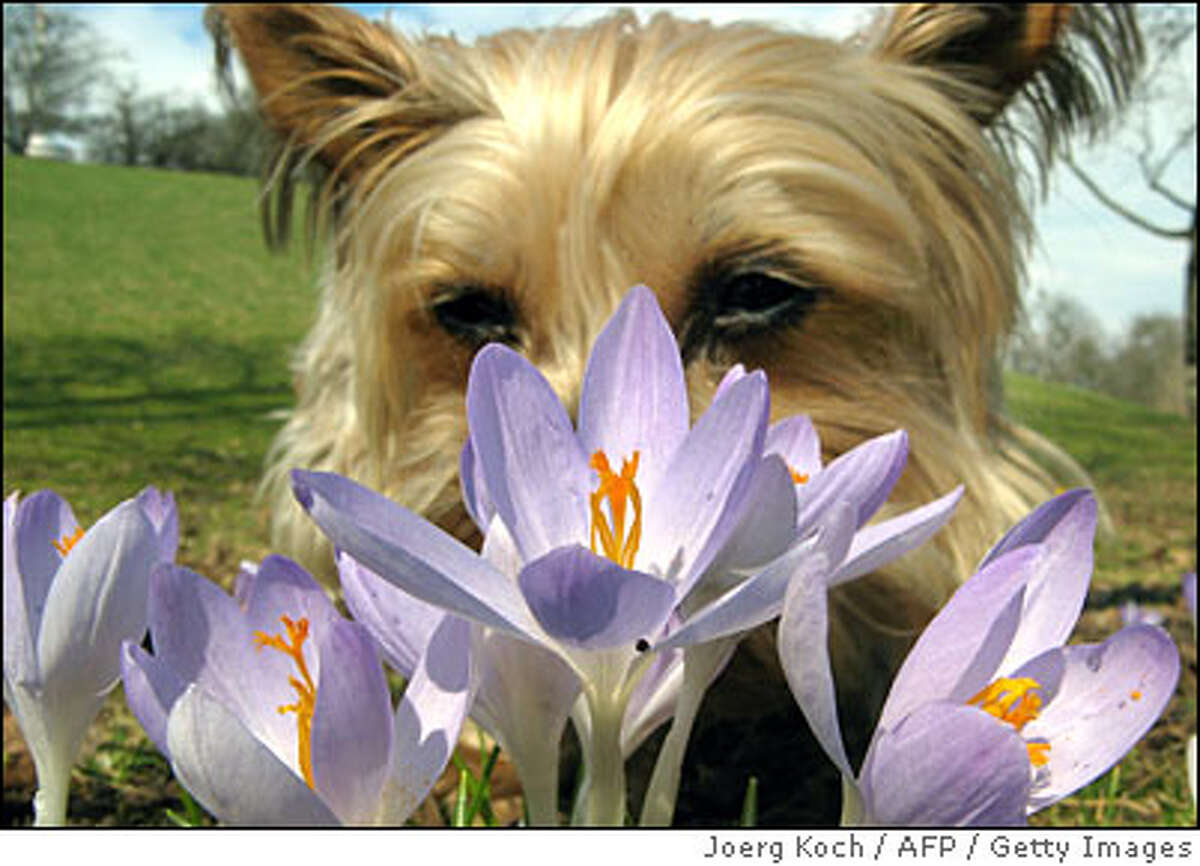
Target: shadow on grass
[84, 380]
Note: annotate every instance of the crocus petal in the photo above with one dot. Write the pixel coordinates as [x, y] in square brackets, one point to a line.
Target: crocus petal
[231, 773]
[590, 602]
[429, 719]
[960, 650]
[351, 724]
[804, 655]
[1064, 528]
[733, 374]
[162, 513]
[243, 582]
[151, 689]
[534, 469]
[524, 689]
[524, 698]
[201, 634]
[412, 553]
[500, 550]
[880, 543]
[1111, 694]
[761, 597]
[1036, 526]
[400, 624]
[97, 600]
[946, 765]
[864, 475]
[1047, 670]
[634, 397]
[20, 631]
[689, 517]
[796, 441]
[42, 519]
[281, 586]
[765, 526]
[474, 489]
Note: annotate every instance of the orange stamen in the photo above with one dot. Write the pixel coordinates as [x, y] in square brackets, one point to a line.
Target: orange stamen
[618, 490]
[1015, 702]
[68, 541]
[798, 477]
[1037, 753]
[297, 632]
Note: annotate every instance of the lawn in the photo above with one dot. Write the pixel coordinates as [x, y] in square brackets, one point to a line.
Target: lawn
[147, 336]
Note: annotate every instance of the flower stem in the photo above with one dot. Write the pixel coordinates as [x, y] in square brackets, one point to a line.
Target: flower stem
[700, 665]
[606, 765]
[50, 801]
[538, 769]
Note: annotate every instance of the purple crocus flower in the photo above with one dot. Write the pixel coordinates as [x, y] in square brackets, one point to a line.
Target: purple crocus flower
[70, 598]
[834, 503]
[991, 717]
[634, 531]
[593, 536]
[274, 710]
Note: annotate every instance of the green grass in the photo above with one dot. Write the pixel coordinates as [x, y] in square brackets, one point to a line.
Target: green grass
[146, 340]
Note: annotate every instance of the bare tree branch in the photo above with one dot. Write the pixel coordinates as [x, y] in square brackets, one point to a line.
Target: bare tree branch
[1153, 172]
[1120, 209]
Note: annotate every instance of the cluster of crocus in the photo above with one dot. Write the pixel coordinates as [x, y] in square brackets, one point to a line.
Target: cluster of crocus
[70, 598]
[623, 558]
[991, 717]
[591, 579]
[273, 709]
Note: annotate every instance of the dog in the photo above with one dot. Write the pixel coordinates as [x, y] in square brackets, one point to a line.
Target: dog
[847, 216]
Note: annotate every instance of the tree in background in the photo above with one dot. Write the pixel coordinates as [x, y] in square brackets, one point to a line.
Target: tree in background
[52, 59]
[1169, 31]
[1060, 340]
[139, 130]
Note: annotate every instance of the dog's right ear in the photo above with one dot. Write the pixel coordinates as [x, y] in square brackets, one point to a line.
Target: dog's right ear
[1069, 66]
[337, 90]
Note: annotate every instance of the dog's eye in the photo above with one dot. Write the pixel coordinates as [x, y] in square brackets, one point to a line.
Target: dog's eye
[731, 304]
[476, 316]
[752, 301]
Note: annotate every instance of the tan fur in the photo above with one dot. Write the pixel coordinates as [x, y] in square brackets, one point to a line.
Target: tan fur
[559, 168]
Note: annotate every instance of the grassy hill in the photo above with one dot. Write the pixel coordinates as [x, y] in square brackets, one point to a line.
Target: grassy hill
[146, 340]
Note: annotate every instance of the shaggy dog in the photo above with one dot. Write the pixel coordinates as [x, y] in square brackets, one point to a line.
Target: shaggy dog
[846, 216]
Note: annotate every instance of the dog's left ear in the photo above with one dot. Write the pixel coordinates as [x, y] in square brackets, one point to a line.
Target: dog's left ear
[338, 90]
[1071, 64]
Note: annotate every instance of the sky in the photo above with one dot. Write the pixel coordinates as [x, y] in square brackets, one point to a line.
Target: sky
[1118, 271]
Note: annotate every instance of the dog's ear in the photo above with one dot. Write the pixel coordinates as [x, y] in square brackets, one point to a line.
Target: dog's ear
[1069, 64]
[338, 91]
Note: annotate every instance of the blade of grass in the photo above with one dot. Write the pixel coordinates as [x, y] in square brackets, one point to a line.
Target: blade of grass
[750, 804]
[460, 801]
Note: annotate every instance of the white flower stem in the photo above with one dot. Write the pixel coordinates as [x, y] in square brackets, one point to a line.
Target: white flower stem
[700, 663]
[606, 765]
[50, 801]
[538, 769]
